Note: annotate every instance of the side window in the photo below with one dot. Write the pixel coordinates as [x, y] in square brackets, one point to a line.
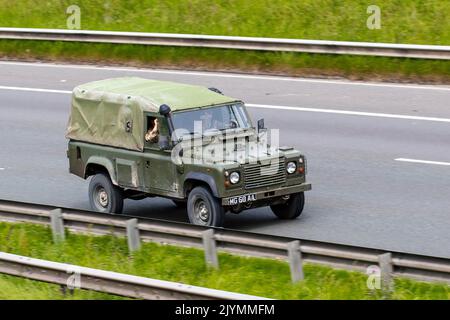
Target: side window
[156, 132]
[153, 130]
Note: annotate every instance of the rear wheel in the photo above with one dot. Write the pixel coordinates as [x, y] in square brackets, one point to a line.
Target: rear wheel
[104, 196]
[292, 208]
[204, 209]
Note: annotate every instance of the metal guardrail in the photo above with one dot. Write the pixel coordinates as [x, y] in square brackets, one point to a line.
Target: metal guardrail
[230, 42]
[419, 267]
[109, 282]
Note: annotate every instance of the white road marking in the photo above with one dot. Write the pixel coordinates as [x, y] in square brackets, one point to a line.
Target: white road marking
[353, 113]
[34, 90]
[231, 75]
[423, 161]
[1, 169]
[263, 106]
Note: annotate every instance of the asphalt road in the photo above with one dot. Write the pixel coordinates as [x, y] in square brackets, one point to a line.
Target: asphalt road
[361, 195]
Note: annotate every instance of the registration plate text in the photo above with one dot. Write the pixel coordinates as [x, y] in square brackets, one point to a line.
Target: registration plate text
[242, 199]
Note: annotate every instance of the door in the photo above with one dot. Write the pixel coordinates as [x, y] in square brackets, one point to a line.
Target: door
[159, 171]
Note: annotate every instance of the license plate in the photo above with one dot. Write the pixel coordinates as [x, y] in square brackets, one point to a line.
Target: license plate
[242, 199]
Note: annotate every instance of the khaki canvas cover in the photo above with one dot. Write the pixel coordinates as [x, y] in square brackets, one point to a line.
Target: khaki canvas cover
[110, 112]
[113, 121]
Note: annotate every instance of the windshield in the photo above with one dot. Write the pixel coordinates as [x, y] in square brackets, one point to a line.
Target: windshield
[214, 118]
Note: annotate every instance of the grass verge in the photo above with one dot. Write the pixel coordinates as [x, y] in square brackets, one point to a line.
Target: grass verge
[262, 277]
[14, 288]
[291, 64]
[402, 21]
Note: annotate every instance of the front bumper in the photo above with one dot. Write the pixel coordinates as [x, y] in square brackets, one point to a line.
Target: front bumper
[267, 194]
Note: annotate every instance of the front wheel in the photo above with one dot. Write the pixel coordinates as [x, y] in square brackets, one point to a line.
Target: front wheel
[104, 196]
[292, 208]
[204, 209]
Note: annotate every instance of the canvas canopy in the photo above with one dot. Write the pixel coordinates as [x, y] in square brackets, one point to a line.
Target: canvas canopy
[110, 112]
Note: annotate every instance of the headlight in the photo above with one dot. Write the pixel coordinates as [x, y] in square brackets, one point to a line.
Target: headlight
[291, 167]
[234, 177]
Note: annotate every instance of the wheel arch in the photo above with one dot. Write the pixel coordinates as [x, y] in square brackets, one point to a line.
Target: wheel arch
[96, 164]
[194, 179]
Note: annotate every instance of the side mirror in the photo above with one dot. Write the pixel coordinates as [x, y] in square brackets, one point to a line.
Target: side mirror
[260, 125]
[164, 110]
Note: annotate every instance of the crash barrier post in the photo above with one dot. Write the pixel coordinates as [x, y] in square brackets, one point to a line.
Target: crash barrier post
[295, 261]
[209, 245]
[133, 235]
[57, 225]
[386, 272]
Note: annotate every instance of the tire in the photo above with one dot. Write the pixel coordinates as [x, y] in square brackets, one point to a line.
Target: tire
[204, 209]
[291, 209]
[104, 196]
[180, 204]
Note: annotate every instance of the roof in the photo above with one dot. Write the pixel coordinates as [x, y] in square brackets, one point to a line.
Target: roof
[151, 93]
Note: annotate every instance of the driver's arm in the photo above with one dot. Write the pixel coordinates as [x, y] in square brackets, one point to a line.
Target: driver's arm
[152, 135]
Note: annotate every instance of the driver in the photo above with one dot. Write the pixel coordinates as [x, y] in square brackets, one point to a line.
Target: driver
[209, 121]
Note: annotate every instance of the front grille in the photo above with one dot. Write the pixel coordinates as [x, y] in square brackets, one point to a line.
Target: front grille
[257, 175]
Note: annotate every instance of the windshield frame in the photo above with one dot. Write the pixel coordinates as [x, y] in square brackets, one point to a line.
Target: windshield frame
[245, 114]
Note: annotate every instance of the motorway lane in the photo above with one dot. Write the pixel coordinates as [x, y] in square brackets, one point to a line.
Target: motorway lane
[360, 194]
[430, 101]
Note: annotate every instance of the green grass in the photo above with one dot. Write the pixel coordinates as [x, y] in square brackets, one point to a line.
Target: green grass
[14, 288]
[295, 64]
[262, 277]
[403, 21]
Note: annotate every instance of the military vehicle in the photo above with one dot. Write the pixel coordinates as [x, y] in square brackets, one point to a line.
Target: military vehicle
[209, 171]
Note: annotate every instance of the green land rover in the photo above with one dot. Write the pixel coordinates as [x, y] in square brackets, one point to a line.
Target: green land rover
[139, 138]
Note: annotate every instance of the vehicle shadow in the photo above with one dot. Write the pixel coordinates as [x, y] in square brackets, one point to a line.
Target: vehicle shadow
[155, 208]
[164, 209]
